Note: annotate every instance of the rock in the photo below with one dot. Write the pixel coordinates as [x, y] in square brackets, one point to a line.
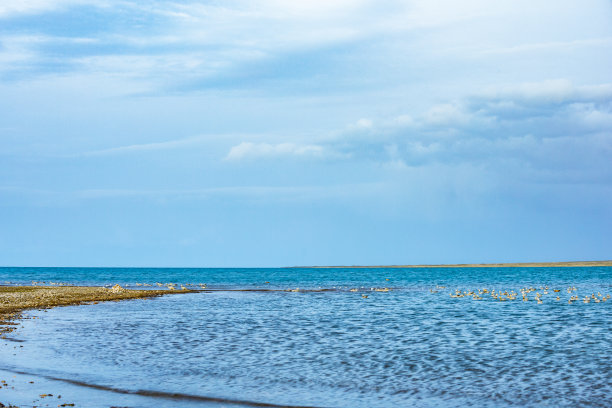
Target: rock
[117, 289]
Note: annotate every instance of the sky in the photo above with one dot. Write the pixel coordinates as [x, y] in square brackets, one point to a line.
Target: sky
[268, 133]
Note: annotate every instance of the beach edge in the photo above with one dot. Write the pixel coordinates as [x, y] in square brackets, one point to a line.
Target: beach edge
[14, 300]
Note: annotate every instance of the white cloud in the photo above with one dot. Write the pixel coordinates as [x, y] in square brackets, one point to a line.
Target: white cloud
[194, 43]
[530, 129]
[256, 25]
[262, 150]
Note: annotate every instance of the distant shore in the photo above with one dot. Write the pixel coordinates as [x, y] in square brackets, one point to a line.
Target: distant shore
[481, 265]
[16, 299]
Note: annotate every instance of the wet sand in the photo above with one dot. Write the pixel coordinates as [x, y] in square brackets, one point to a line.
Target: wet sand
[483, 265]
[15, 299]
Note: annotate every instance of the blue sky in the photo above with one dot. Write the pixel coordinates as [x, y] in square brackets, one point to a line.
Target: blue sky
[275, 133]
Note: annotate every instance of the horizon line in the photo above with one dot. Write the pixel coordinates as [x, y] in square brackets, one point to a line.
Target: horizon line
[461, 265]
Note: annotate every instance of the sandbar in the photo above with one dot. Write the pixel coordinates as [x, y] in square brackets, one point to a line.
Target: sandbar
[481, 265]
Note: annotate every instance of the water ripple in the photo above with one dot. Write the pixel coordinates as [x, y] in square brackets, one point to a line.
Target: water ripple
[405, 347]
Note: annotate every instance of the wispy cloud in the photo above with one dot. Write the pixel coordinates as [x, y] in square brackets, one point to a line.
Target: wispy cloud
[44, 197]
[551, 45]
[247, 150]
[190, 46]
[135, 148]
[257, 191]
[555, 91]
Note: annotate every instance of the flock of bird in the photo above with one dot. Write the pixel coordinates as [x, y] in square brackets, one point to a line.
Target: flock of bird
[42, 283]
[170, 286]
[335, 288]
[477, 294]
[506, 295]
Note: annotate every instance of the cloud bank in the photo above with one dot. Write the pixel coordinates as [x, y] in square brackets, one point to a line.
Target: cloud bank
[553, 130]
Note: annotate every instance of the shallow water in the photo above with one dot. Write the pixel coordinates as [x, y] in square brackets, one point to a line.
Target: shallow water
[405, 347]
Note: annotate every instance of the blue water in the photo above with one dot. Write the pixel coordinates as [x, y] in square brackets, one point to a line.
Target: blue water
[413, 345]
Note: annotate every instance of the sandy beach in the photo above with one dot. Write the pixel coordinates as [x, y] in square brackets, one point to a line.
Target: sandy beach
[15, 299]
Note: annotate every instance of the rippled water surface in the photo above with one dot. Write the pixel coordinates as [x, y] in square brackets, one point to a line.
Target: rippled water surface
[411, 346]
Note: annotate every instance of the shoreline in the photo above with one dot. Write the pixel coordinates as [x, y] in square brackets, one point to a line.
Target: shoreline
[16, 299]
[474, 265]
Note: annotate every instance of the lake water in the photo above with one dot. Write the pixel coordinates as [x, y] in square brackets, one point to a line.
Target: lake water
[342, 340]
